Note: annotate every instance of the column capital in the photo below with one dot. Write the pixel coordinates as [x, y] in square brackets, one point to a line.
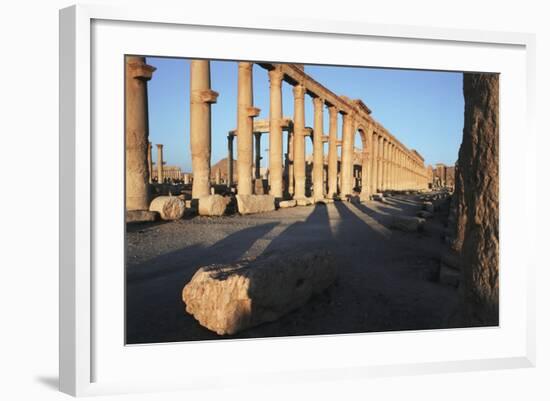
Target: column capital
[253, 111]
[159, 146]
[299, 90]
[332, 111]
[204, 96]
[318, 101]
[138, 69]
[275, 76]
[245, 65]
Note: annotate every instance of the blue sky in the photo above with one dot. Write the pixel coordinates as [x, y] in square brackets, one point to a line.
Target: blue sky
[423, 109]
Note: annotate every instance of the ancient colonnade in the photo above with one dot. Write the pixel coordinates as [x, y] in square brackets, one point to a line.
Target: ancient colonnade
[386, 164]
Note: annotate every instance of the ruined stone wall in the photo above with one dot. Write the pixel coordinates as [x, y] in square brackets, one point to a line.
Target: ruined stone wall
[478, 200]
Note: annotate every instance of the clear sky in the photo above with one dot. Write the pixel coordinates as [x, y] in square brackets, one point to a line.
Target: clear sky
[422, 109]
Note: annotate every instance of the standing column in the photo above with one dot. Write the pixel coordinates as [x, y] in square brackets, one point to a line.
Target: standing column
[299, 143]
[257, 154]
[160, 165]
[333, 152]
[392, 168]
[137, 132]
[347, 155]
[290, 153]
[379, 164]
[318, 191]
[150, 161]
[382, 164]
[245, 125]
[366, 165]
[230, 139]
[275, 133]
[374, 162]
[202, 98]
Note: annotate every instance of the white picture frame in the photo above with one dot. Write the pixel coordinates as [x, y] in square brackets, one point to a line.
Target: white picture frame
[82, 343]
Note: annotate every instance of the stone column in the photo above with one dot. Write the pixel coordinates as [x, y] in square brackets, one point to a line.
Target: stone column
[392, 167]
[257, 154]
[150, 161]
[374, 162]
[379, 164]
[160, 165]
[318, 191]
[366, 165]
[290, 151]
[230, 139]
[218, 176]
[333, 152]
[202, 97]
[245, 125]
[347, 155]
[275, 133]
[299, 143]
[137, 132]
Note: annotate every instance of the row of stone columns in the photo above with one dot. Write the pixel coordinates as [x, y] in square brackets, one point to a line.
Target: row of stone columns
[384, 164]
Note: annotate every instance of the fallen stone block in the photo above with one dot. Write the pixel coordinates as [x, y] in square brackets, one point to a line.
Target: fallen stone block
[169, 207]
[213, 205]
[233, 297]
[425, 214]
[324, 201]
[378, 197]
[406, 223]
[304, 201]
[140, 216]
[287, 203]
[249, 204]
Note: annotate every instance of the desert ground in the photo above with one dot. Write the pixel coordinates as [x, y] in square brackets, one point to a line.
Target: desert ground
[387, 279]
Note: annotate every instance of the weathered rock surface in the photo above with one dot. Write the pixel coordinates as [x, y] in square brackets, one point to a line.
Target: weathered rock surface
[406, 223]
[169, 207]
[478, 203]
[249, 204]
[230, 298]
[213, 205]
[287, 203]
[304, 201]
[139, 216]
[378, 197]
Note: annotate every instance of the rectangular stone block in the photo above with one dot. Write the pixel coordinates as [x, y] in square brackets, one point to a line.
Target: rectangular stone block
[229, 298]
[287, 203]
[250, 204]
[213, 205]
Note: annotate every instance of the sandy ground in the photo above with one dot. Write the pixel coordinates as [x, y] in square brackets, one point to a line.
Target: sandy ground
[387, 279]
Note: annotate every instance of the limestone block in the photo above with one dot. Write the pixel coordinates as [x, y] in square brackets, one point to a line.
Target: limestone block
[424, 214]
[304, 201]
[213, 205]
[233, 297]
[378, 197]
[406, 223]
[139, 216]
[249, 204]
[169, 207]
[287, 203]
